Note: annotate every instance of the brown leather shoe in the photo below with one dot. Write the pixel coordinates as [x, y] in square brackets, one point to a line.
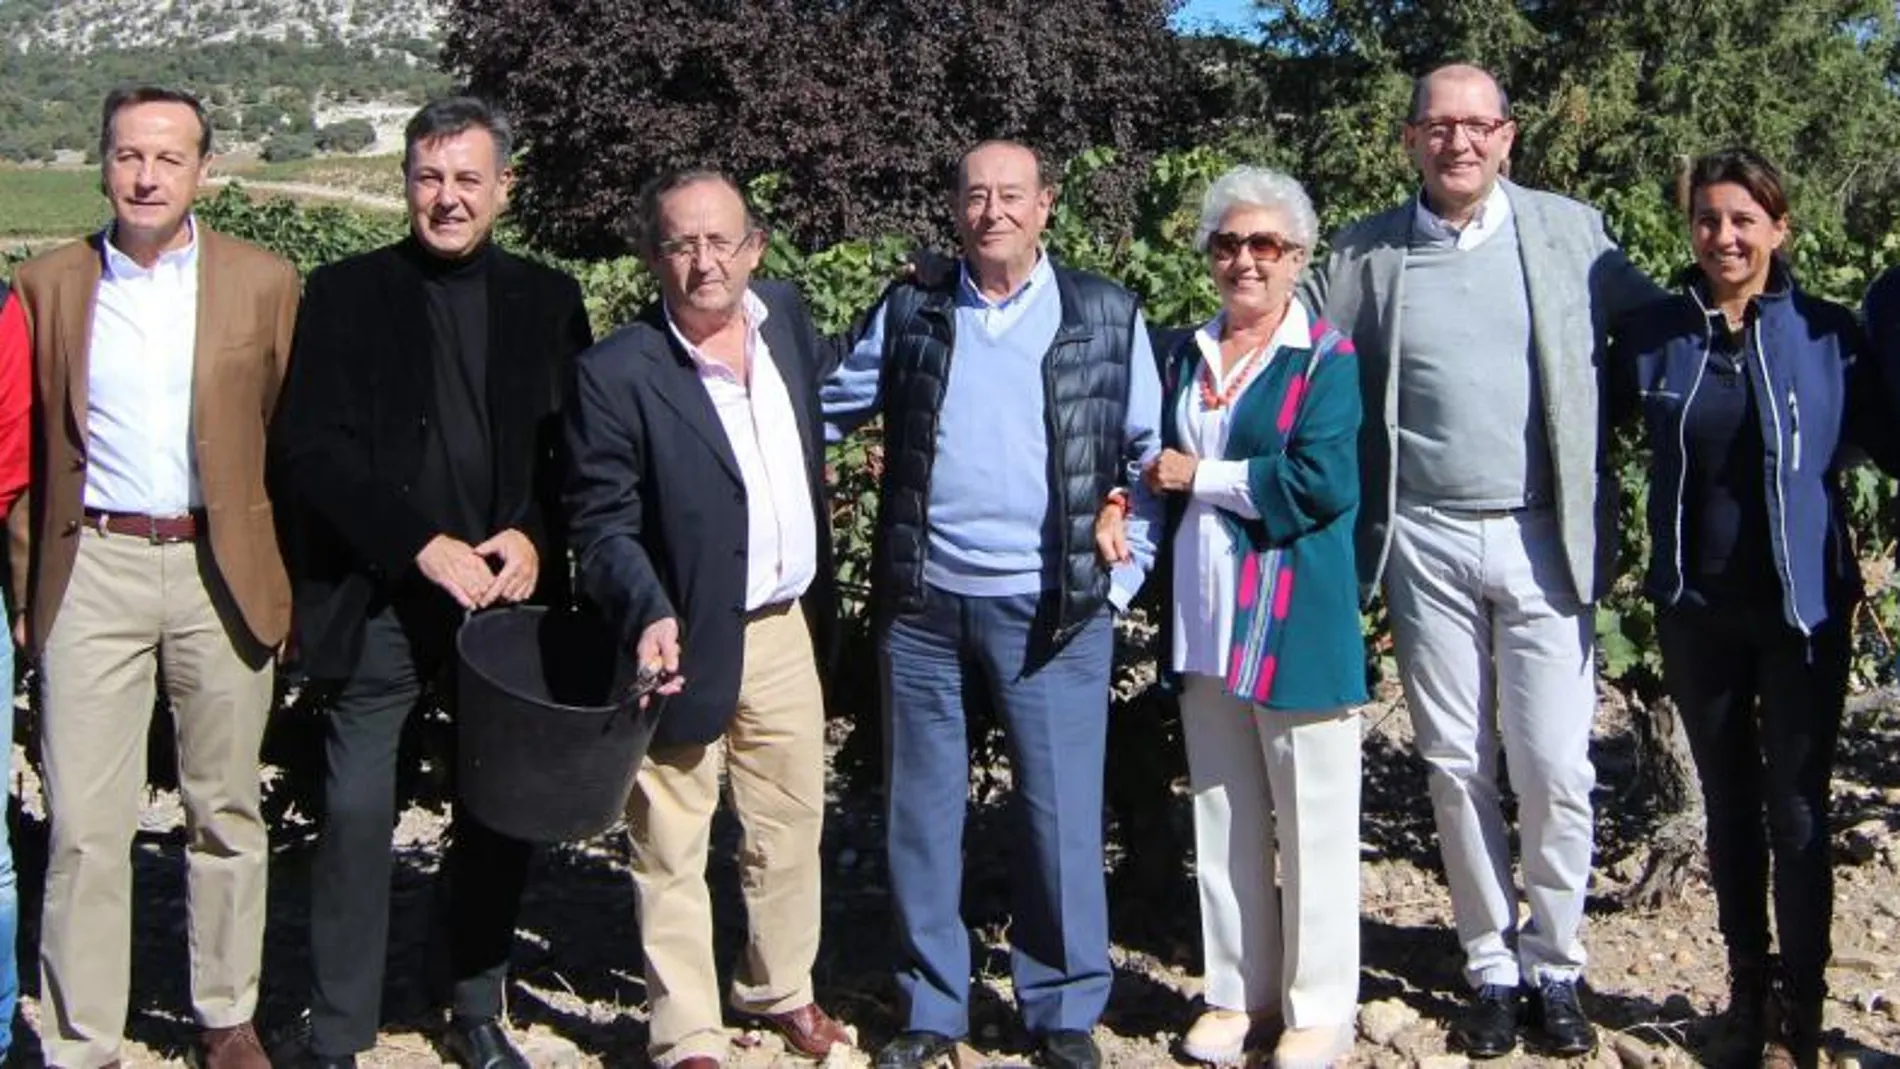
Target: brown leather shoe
[236, 1047]
[808, 1030]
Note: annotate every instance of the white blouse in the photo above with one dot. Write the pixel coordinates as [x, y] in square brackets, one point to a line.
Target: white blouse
[1205, 555]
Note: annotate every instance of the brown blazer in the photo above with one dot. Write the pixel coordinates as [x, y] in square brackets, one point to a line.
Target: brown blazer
[247, 310]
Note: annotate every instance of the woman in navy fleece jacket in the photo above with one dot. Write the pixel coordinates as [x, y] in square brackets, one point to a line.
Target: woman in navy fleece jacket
[1748, 389]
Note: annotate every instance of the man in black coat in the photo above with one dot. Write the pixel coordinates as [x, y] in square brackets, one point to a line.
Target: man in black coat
[416, 452]
[697, 503]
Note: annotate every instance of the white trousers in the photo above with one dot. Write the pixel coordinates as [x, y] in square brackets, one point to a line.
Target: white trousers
[1493, 647]
[1269, 783]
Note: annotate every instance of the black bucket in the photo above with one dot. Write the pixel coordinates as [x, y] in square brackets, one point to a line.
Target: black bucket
[544, 752]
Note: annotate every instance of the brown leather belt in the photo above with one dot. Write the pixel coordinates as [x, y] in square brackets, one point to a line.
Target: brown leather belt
[154, 529]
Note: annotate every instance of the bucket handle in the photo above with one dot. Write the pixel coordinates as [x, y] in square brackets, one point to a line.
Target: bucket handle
[644, 681]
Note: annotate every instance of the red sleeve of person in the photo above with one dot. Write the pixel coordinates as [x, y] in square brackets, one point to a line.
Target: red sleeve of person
[16, 398]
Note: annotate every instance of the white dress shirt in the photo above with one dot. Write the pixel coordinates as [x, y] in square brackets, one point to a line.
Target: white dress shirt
[1489, 220]
[781, 537]
[1206, 557]
[138, 384]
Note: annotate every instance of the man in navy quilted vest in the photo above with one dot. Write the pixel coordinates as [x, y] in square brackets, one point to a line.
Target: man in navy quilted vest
[1014, 396]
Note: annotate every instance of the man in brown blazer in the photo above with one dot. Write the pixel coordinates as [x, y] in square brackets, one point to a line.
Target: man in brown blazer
[158, 351]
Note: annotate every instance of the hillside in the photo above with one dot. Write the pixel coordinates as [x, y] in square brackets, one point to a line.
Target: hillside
[87, 25]
[277, 75]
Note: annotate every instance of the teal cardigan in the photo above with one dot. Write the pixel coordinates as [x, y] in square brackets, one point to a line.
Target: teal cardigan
[1296, 645]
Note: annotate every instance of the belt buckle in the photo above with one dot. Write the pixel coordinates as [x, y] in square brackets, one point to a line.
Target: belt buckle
[151, 530]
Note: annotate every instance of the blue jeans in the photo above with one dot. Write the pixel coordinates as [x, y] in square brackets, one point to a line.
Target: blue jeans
[1055, 720]
[9, 890]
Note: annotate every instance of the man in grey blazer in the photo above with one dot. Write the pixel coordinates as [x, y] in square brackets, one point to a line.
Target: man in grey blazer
[1479, 309]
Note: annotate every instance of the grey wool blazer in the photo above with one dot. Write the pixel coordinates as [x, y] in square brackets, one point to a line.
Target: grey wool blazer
[1580, 284]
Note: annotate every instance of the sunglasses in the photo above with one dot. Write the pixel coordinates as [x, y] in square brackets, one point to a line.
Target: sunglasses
[1264, 247]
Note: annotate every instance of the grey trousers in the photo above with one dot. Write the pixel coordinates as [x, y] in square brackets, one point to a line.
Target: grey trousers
[1496, 652]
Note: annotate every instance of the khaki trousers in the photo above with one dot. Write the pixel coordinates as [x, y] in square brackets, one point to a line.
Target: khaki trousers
[773, 755]
[132, 605]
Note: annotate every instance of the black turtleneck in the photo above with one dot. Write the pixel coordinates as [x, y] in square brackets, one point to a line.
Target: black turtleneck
[455, 486]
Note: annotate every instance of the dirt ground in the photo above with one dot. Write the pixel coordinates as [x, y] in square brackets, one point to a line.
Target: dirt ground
[1655, 979]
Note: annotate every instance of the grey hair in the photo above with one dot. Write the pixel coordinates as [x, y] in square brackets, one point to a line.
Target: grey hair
[1258, 187]
[643, 229]
[448, 116]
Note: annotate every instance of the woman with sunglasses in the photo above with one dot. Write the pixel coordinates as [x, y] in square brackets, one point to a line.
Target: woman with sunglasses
[1748, 387]
[1260, 472]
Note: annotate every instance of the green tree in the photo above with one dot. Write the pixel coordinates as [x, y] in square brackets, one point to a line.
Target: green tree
[1611, 97]
[256, 88]
[282, 148]
[350, 135]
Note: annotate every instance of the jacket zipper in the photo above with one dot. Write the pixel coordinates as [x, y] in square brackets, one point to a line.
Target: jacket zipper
[1065, 336]
[1682, 452]
[1781, 494]
[1794, 424]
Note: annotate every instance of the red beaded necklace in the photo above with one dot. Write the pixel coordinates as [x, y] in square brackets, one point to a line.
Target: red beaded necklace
[1212, 401]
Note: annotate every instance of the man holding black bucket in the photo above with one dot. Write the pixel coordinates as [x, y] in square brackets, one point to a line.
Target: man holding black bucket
[416, 453]
[697, 503]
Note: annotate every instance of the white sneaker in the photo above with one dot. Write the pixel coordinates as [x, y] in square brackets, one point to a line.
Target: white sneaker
[1313, 1048]
[1219, 1037]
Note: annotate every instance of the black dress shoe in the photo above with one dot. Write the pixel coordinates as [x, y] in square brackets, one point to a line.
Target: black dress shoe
[482, 1045]
[1566, 1030]
[1070, 1049]
[293, 1051]
[1488, 1028]
[914, 1050]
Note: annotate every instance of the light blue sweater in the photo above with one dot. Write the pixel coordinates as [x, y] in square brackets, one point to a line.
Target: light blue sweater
[992, 525]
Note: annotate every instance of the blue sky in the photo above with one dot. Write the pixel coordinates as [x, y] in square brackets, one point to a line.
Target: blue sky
[1236, 13]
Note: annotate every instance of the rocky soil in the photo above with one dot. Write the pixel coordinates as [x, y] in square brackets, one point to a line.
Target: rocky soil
[1655, 980]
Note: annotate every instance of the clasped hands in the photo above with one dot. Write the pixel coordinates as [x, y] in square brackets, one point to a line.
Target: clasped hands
[1170, 472]
[504, 568]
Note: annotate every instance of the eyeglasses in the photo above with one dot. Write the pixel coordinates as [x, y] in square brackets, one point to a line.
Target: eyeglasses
[1439, 132]
[718, 246]
[1264, 247]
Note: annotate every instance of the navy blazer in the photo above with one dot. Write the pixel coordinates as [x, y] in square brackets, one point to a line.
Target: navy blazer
[657, 509]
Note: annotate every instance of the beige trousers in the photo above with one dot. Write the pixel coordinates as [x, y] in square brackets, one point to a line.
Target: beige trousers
[1276, 786]
[130, 606]
[773, 756]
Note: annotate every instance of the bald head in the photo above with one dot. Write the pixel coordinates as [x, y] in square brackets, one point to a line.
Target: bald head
[1453, 77]
[1459, 136]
